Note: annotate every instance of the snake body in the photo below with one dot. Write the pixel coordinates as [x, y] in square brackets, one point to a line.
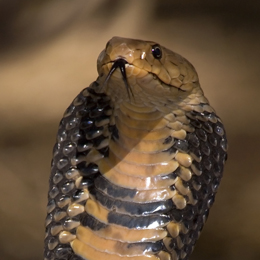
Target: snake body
[138, 160]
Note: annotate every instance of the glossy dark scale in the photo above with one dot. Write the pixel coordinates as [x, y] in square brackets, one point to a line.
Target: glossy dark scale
[91, 222]
[131, 207]
[141, 222]
[206, 144]
[112, 190]
[74, 140]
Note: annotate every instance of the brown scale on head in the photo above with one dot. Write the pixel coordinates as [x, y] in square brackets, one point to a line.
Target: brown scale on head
[138, 160]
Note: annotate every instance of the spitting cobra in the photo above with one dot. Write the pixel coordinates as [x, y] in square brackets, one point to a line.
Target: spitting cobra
[138, 160]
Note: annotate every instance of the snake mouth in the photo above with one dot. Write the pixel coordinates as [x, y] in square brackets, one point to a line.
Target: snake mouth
[120, 63]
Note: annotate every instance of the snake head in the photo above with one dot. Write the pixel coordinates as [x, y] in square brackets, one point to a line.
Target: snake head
[148, 67]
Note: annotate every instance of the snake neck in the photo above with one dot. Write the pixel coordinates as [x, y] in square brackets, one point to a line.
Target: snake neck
[140, 128]
[141, 149]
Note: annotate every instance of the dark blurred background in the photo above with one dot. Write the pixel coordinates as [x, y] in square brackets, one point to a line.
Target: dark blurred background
[48, 52]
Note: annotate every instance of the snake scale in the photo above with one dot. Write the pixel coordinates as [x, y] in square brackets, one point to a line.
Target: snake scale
[138, 160]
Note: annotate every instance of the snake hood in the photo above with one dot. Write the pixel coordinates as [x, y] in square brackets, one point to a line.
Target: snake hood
[138, 160]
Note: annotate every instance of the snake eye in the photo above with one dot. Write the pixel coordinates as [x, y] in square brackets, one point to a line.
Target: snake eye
[156, 51]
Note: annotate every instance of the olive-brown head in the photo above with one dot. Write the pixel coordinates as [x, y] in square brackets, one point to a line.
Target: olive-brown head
[148, 67]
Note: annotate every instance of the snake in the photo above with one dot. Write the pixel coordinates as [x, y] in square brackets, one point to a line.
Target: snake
[138, 160]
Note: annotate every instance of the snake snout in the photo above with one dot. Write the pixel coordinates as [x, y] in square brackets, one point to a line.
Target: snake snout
[120, 63]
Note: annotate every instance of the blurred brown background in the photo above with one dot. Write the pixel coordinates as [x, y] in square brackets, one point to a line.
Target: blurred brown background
[48, 52]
